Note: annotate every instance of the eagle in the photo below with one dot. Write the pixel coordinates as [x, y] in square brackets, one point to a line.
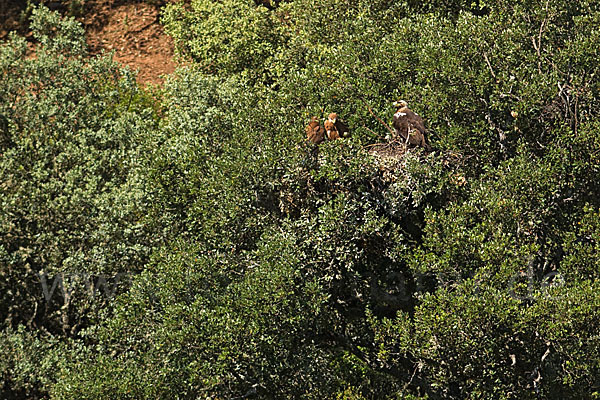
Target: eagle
[409, 125]
[335, 127]
[314, 131]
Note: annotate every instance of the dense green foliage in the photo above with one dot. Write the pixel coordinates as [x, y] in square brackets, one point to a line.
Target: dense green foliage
[260, 266]
[72, 194]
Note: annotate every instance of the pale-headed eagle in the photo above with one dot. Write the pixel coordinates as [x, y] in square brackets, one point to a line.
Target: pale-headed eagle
[409, 126]
[335, 127]
[314, 131]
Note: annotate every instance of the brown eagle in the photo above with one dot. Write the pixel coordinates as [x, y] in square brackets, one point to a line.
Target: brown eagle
[335, 127]
[314, 131]
[409, 126]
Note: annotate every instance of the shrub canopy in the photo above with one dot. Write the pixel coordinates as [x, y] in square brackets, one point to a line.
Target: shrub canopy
[263, 266]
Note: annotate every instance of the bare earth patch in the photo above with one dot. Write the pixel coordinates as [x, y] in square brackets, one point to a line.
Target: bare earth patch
[130, 28]
[133, 31]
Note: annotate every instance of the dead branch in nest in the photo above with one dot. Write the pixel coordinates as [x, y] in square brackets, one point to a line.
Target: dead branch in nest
[370, 130]
[392, 133]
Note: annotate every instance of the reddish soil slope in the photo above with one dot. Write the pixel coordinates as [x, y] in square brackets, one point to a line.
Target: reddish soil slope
[130, 28]
[133, 31]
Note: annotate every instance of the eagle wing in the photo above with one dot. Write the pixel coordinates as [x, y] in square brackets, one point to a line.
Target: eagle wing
[314, 131]
[416, 120]
[410, 126]
[331, 130]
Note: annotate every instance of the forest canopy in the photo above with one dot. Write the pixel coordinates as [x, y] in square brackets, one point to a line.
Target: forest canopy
[187, 242]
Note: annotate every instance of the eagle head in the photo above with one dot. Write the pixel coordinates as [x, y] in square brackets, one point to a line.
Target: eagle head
[332, 117]
[400, 103]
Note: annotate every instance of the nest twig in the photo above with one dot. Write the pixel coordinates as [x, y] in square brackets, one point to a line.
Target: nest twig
[394, 148]
[377, 118]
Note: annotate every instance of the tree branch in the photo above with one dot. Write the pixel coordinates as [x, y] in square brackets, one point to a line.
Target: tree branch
[377, 118]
